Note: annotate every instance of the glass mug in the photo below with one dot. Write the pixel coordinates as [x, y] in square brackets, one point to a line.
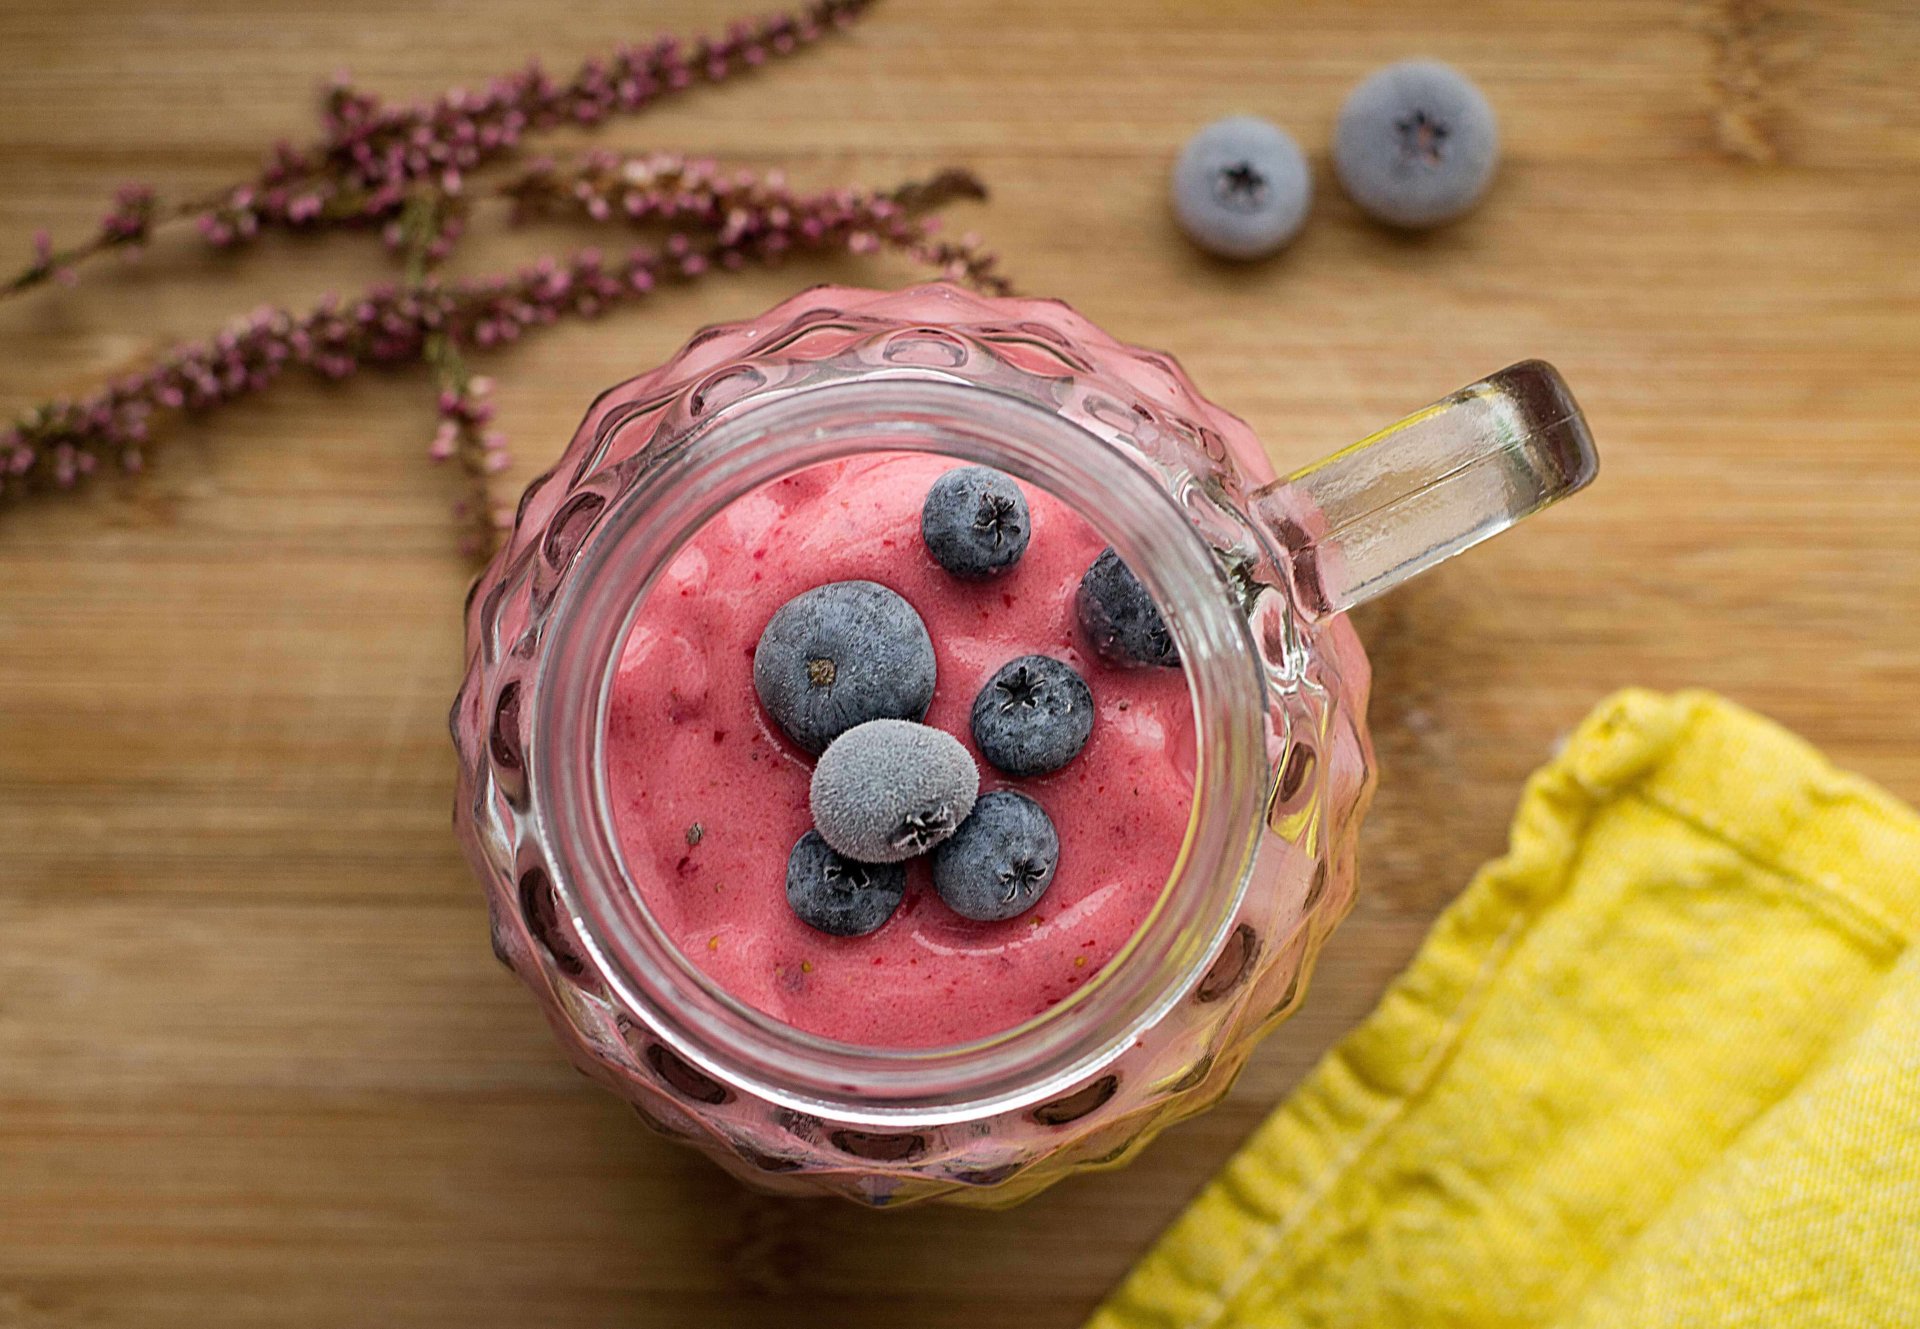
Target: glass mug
[1253, 576]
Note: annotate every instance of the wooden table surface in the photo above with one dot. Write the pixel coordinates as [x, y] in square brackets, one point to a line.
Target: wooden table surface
[257, 1066]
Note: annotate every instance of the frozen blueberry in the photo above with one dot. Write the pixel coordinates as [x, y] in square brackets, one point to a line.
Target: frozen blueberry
[838, 895]
[889, 789]
[839, 655]
[975, 522]
[1415, 144]
[1001, 860]
[1033, 716]
[1120, 618]
[1241, 188]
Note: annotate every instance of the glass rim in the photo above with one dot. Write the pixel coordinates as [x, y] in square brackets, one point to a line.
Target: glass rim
[689, 479]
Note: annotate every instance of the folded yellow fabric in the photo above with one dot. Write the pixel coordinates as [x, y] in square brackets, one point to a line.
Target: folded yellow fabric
[1659, 1066]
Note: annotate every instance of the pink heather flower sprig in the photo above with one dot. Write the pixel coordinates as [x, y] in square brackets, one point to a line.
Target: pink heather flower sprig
[728, 221]
[372, 158]
[754, 216]
[405, 171]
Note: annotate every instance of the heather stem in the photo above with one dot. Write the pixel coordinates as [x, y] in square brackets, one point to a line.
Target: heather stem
[372, 158]
[732, 220]
[463, 410]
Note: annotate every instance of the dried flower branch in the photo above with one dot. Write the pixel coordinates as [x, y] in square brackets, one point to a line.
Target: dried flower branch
[405, 170]
[371, 158]
[728, 221]
[756, 216]
[464, 409]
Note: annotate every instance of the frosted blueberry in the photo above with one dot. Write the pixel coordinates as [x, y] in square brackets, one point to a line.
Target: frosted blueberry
[890, 789]
[1001, 860]
[1241, 188]
[975, 522]
[837, 895]
[1415, 144]
[1120, 618]
[1033, 716]
[839, 655]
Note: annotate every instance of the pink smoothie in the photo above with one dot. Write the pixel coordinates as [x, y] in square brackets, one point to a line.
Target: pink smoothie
[709, 797]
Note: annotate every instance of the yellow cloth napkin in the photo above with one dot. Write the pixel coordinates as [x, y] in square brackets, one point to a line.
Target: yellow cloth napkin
[1659, 1066]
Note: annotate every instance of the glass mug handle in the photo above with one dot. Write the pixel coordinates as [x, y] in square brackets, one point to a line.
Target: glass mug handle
[1440, 481]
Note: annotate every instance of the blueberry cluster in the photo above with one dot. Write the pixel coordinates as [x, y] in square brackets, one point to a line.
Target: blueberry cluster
[1415, 146]
[846, 670]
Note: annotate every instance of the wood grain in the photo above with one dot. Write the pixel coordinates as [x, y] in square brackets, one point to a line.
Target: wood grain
[256, 1064]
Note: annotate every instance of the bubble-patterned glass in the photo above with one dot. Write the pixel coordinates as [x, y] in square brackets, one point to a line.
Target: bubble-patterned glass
[1279, 680]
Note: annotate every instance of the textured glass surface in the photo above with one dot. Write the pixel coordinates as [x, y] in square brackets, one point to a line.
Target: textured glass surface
[1317, 757]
